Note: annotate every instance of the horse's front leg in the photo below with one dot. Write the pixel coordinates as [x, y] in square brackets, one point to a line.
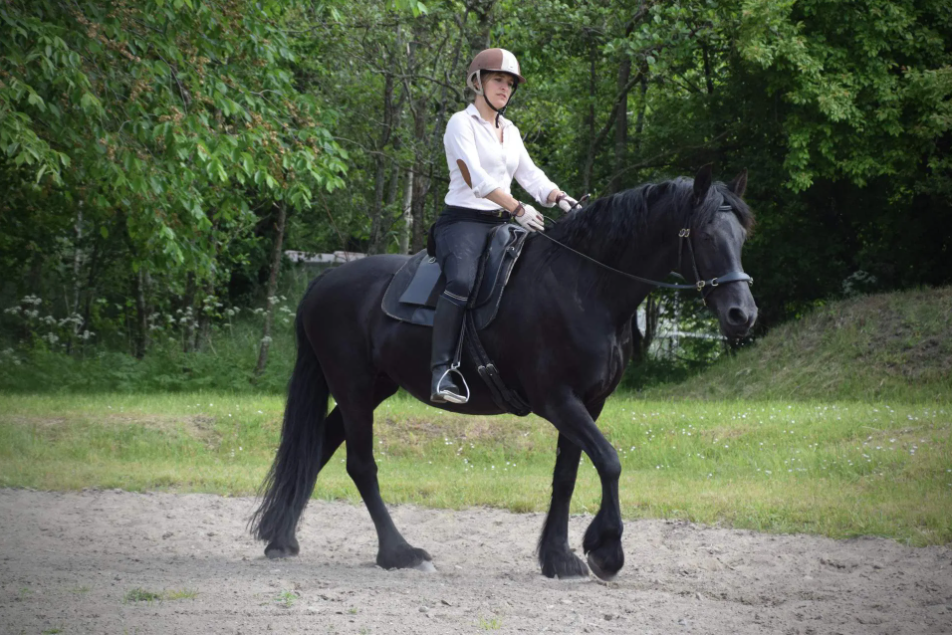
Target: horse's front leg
[555, 555]
[602, 541]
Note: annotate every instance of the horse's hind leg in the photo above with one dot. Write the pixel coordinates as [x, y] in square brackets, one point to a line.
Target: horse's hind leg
[394, 551]
[286, 544]
[555, 555]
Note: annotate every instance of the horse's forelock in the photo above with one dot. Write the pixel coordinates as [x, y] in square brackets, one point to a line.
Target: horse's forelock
[719, 195]
[740, 208]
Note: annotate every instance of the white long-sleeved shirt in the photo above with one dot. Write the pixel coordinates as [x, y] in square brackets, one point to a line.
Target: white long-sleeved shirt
[471, 139]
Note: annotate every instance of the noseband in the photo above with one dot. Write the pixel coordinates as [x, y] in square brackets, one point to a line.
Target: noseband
[704, 287]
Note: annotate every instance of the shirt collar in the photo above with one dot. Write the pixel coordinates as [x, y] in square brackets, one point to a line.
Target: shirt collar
[474, 112]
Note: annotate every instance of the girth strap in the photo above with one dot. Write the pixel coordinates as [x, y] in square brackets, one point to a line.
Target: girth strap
[503, 397]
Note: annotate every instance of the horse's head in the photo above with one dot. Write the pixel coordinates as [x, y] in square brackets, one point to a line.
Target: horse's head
[710, 251]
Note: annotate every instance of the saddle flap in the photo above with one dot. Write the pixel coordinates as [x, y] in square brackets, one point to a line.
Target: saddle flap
[403, 311]
[501, 252]
[413, 291]
[422, 283]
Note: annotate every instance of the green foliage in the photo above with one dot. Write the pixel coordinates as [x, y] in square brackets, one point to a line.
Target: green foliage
[141, 147]
[146, 148]
[166, 115]
[226, 364]
[868, 85]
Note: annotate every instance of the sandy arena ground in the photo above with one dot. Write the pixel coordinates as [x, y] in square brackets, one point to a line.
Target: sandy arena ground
[69, 561]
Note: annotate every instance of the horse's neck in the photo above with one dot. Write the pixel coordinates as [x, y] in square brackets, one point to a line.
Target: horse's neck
[651, 257]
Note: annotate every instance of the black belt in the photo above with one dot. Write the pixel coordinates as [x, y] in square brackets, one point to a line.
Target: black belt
[462, 211]
[497, 213]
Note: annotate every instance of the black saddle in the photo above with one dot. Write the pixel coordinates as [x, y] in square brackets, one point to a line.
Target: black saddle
[415, 288]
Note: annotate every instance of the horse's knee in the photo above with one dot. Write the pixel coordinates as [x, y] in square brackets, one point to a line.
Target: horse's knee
[611, 467]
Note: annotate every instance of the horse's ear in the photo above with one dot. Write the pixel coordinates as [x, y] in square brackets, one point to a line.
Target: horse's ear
[702, 183]
[739, 185]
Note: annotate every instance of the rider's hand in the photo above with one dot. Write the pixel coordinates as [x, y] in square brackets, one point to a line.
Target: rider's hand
[566, 202]
[529, 218]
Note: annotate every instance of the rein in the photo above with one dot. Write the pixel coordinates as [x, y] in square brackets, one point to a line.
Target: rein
[685, 236]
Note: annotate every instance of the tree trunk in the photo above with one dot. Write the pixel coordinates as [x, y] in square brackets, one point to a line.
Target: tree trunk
[203, 334]
[77, 259]
[35, 284]
[637, 352]
[188, 311]
[652, 315]
[640, 121]
[621, 126]
[142, 315]
[380, 168]
[272, 289]
[394, 181]
[590, 124]
[92, 281]
[421, 183]
[380, 177]
[708, 75]
[480, 38]
[421, 188]
[407, 214]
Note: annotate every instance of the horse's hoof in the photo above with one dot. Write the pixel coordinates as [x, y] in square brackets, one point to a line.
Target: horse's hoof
[276, 550]
[602, 574]
[405, 557]
[426, 567]
[563, 565]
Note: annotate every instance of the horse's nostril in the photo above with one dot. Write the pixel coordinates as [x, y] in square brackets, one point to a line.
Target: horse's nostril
[737, 316]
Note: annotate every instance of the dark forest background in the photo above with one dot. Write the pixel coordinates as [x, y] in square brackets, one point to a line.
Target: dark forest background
[158, 157]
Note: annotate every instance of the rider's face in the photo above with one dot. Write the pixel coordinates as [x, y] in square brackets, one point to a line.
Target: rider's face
[497, 88]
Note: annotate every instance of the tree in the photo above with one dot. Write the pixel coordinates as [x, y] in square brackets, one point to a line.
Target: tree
[171, 133]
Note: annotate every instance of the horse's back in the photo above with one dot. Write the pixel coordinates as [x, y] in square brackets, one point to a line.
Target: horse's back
[355, 280]
[345, 301]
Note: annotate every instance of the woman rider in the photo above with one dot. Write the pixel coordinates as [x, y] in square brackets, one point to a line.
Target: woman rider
[484, 151]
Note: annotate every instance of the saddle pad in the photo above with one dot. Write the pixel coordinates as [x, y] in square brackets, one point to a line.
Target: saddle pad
[413, 291]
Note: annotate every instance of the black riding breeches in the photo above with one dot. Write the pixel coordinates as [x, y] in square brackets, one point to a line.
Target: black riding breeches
[459, 244]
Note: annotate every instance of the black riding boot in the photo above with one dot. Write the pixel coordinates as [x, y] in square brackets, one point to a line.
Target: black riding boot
[447, 325]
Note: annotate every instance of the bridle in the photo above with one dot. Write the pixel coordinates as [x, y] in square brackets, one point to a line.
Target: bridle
[704, 286]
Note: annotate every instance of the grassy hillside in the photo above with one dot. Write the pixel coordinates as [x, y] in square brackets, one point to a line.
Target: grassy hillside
[894, 346]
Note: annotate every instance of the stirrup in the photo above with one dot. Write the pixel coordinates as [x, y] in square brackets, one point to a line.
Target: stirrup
[446, 395]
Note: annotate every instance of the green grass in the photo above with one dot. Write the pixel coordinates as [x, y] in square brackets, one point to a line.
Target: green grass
[286, 598]
[180, 594]
[835, 468]
[139, 594]
[490, 624]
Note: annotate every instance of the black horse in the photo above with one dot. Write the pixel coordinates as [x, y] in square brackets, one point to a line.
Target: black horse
[561, 338]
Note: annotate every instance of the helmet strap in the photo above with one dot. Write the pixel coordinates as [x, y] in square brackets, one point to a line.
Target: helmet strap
[499, 111]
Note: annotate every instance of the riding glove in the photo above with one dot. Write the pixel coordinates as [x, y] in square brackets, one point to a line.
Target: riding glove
[528, 217]
[566, 202]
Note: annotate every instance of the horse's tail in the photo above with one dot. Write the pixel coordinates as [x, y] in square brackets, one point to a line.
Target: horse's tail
[291, 479]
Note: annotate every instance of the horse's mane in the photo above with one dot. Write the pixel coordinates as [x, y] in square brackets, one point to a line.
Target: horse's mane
[615, 221]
